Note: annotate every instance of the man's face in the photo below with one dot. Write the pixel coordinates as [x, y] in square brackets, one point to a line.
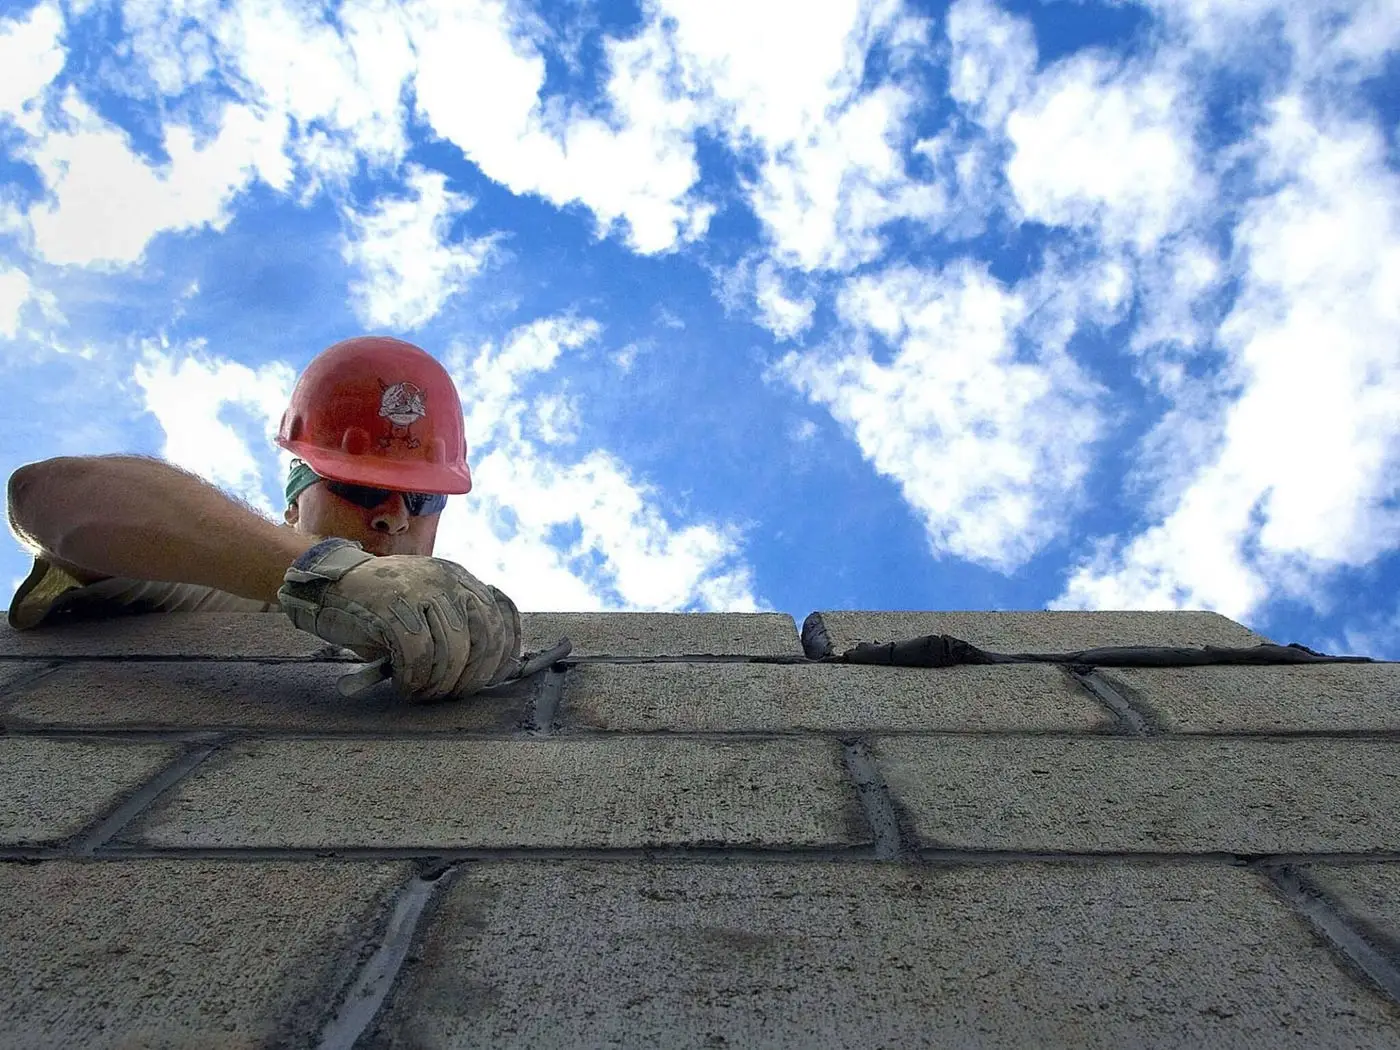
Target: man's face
[384, 529]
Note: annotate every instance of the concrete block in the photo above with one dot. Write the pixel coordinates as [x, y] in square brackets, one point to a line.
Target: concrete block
[182, 955]
[822, 955]
[251, 636]
[232, 636]
[1025, 632]
[288, 696]
[825, 698]
[1367, 892]
[581, 793]
[53, 789]
[16, 675]
[665, 634]
[1090, 794]
[1298, 697]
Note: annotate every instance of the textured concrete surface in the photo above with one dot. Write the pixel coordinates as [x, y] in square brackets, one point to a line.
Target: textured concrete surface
[1320, 698]
[51, 789]
[209, 694]
[776, 697]
[665, 634]
[247, 636]
[1371, 892]
[1110, 955]
[1148, 794]
[495, 793]
[1025, 632]
[191, 954]
[203, 845]
[17, 674]
[259, 635]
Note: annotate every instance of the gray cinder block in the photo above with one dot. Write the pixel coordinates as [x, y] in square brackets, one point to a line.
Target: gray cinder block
[182, 954]
[580, 793]
[213, 694]
[665, 634]
[1148, 794]
[825, 698]
[1319, 697]
[1025, 632]
[1090, 955]
[52, 789]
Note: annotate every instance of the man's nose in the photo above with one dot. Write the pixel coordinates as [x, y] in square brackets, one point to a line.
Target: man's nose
[391, 515]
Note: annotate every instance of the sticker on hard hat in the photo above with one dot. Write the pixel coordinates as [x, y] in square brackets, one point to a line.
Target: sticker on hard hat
[402, 404]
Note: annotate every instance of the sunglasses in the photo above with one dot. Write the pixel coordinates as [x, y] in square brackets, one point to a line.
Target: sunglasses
[418, 503]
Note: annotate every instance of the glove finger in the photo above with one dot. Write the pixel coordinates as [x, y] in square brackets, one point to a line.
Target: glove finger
[492, 643]
[509, 660]
[496, 662]
[413, 648]
[451, 648]
[354, 628]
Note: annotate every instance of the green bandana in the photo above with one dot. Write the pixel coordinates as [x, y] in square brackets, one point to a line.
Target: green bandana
[299, 478]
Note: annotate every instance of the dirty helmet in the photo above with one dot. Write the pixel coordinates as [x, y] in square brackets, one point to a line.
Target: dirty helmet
[379, 412]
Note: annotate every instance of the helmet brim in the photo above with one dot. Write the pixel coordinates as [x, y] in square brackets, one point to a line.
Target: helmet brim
[403, 475]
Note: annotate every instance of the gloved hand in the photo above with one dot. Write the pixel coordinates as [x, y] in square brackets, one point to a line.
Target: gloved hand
[444, 632]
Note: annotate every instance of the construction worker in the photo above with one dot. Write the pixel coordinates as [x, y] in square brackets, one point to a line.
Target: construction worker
[376, 427]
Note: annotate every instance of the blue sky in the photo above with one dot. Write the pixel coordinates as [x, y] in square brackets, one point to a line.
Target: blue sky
[777, 305]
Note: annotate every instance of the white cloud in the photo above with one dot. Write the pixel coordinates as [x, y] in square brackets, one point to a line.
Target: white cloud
[831, 171]
[1177, 286]
[756, 288]
[993, 58]
[1305, 457]
[495, 413]
[1094, 143]
[106, 202]
[307, 94]
[1263, 474]
[31, 56]
[625, 358]
[627, 553]
[14, 293]
[12, 219]
[341, 85]
[825, 200]
[557, 419]
[347, 78]
[172, 38]
[404, 250]
[189, 392]
[784, 316]
[635, 168]
[1106, 149]
[1376, 636]
[1327, 44]
[966, 167]
[794, 61]
[986, 438]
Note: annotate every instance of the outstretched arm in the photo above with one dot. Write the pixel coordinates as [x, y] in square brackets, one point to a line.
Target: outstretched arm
[132, 516]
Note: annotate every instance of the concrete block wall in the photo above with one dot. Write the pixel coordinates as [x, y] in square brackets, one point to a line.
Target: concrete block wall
[688, 834]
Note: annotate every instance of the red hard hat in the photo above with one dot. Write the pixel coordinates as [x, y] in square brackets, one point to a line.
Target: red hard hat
[381, 412]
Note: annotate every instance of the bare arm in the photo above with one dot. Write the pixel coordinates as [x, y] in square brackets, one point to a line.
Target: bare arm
[145, 519]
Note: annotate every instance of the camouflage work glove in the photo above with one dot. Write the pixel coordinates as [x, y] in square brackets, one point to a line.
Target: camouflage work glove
[443, 631]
